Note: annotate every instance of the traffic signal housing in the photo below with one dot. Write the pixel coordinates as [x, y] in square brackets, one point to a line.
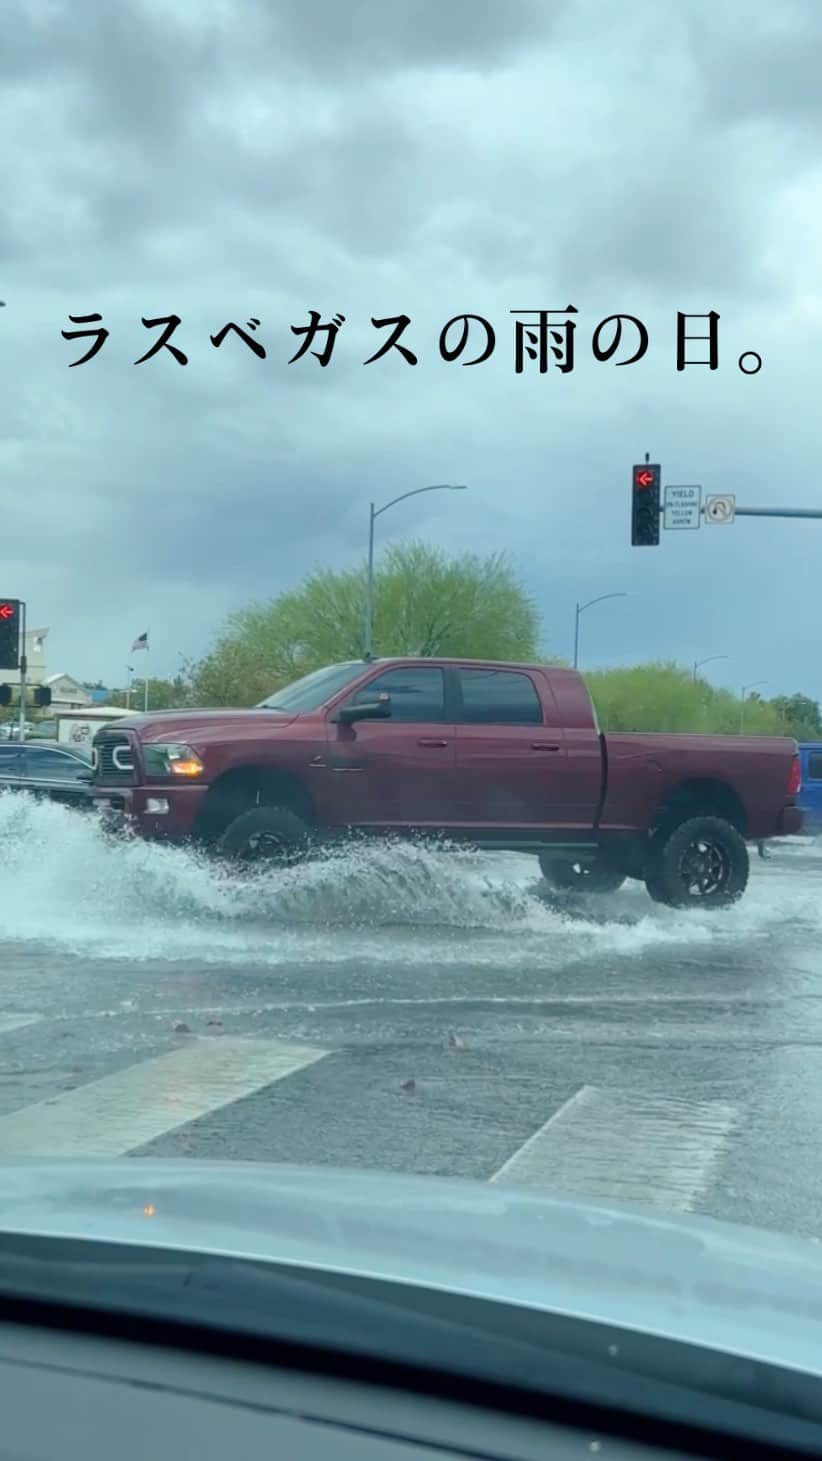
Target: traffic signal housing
[5, 694]
[645, 501]
[42, 696]
[9, 634]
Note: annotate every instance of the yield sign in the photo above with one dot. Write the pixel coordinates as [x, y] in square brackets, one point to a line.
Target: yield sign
[682, 507]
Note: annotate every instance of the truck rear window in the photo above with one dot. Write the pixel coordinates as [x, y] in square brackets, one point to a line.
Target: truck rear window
[498, 697]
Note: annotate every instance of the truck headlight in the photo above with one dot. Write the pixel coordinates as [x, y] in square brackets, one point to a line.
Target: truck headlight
[171, 759]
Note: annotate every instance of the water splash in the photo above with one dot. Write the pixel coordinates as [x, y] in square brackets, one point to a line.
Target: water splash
[67, 885]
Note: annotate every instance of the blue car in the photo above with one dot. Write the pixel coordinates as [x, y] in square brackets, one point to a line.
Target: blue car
[809, 800]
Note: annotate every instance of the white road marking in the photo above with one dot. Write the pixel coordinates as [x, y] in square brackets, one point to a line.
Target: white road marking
[17, 1022]
[119, 1113]
[625, 1146]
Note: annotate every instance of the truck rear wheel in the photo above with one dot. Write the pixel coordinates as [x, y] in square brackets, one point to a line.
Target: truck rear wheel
[580, 877]
[701, 863]
[265, 834]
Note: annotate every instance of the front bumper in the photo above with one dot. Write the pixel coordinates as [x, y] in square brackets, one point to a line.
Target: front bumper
[159, 813]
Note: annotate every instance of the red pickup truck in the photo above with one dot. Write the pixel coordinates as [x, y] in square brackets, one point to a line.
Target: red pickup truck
[499, 756]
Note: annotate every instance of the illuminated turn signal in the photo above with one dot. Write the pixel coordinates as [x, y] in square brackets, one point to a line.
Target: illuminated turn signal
[191, 767]
[175, 759]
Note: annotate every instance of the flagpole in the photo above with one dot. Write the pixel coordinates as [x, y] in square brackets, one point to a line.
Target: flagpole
[128, 687]
[145, 706]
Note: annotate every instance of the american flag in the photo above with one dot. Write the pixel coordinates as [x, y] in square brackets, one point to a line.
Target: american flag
[142, 642]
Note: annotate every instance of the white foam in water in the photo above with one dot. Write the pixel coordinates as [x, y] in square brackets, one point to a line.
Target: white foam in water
[65, 884]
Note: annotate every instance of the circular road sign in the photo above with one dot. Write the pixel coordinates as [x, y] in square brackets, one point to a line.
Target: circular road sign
[720, 509]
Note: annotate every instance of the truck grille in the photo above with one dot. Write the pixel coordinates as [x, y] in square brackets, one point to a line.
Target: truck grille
[113, 759]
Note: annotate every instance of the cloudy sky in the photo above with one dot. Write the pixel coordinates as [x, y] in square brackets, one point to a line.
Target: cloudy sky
[257, 159]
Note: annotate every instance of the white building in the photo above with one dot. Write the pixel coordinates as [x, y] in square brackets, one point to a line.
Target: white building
[66, 692]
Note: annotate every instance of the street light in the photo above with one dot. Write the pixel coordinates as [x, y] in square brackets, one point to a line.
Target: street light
[709, 661]
[373, 515]
[581, 610]
[745, 689]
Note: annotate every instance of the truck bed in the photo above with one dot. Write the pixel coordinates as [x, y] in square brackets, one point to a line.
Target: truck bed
[643, 769]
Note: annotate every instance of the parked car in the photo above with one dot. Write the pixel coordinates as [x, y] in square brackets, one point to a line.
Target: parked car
[43, 730]
[507, 757]
[45, 768]
[810, 795]
[10, 730]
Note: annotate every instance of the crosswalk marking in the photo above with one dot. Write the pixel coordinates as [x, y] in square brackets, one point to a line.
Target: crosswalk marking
[17, 1022]
[624, 1146]
[607, 1144]
[122, 1112]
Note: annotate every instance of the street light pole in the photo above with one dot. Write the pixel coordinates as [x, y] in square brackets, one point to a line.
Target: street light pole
[709, 661]
[581, 610]
[374, 513]
[369, 591]
[745, 689]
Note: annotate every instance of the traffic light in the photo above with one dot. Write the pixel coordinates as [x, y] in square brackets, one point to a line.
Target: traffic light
[5, 694]
[645, 505]
[9, 634]
[42, 696]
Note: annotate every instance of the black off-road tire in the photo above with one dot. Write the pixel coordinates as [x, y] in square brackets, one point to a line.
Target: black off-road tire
[579, 877]
[701, 863]
[272, 835]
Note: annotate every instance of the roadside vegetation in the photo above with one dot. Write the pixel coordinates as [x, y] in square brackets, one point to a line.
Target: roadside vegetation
[426, 603]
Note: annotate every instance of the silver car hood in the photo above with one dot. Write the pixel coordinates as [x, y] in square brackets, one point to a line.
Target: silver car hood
[729, 1288]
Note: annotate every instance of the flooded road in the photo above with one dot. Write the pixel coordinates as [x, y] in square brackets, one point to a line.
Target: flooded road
[414, 1010]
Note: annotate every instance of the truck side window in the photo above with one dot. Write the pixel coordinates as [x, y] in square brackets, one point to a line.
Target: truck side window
[416, 694]
[498, 697]
[815, 766]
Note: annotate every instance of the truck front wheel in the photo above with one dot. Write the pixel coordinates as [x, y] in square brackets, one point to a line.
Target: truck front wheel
[702, 863]
[265, 834]
[580, 877]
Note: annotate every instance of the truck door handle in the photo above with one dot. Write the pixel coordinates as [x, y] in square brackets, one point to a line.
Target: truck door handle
[426, 742]
[543, 746]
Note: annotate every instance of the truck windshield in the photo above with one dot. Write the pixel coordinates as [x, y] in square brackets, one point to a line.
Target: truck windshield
[313, 690]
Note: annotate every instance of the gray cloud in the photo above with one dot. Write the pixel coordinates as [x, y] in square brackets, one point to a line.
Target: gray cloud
[368, 36]
[762, 66]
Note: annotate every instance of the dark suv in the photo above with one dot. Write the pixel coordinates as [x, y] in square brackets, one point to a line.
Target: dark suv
[46, 768]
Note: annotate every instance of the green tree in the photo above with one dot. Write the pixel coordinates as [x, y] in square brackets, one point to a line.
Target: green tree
[424, 604]
[664, 697]
[162, 694]
[800, 716]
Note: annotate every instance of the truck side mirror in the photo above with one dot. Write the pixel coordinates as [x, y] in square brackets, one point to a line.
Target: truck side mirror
[368, 710]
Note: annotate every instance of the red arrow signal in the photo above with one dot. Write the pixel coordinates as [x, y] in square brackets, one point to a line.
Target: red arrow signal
[644, 478]
[6, 611]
